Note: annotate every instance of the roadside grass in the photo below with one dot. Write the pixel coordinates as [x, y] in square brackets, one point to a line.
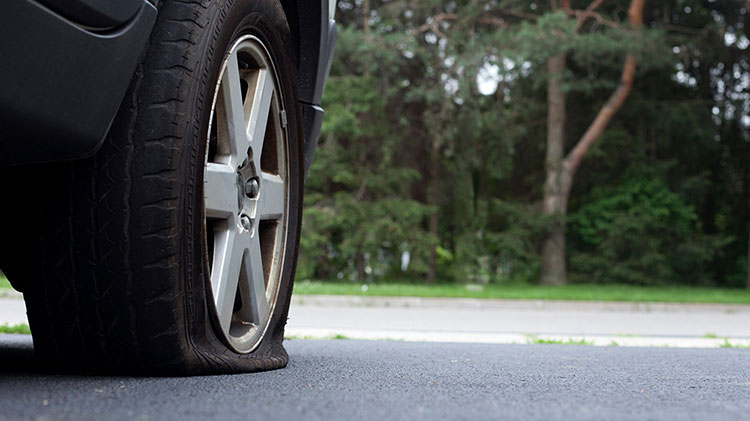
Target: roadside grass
[533, 339]
[22, 328]
[728, 344]
[580, 292]
[4, 282]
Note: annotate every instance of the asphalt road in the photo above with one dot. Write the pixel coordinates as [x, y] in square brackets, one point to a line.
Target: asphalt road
[375, 380]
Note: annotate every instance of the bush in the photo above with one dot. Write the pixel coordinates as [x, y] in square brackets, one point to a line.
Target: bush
[639, 232]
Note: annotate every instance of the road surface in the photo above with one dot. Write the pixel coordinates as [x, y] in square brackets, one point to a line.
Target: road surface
[376, 380]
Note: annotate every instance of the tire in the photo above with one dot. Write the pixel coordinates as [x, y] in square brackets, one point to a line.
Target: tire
[125, 275]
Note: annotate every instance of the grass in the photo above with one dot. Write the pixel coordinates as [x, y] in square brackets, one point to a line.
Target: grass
[582, 292]
[579, 292]
[4, 283]
[532, 339]
[22, 328]
[728, 344]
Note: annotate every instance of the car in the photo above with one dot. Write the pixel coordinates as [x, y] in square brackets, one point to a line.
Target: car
[152, 162]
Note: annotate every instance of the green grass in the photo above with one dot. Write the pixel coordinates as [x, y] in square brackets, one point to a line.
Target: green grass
[4, 283]
[532, 339]
[23, 328]
[728, 344]
[583, 292]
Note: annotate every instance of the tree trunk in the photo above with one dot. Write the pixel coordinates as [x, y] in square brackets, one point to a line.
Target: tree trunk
[433, 193]
[554, 203]
[366, 16]
[359, 260]
[560, 172]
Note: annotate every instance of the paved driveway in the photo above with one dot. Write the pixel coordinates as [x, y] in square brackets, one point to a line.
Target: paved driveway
[377, 380]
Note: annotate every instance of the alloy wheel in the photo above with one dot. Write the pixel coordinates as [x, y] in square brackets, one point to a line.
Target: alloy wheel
[246, 194]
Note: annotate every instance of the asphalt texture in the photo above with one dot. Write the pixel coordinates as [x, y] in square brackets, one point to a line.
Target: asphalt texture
[375, 380]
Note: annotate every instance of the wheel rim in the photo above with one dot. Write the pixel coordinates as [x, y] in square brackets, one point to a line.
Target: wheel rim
[246, 193]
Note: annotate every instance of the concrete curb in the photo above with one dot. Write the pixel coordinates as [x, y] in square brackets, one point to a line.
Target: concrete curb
[536, 305]
[514, 338]
[10, 293]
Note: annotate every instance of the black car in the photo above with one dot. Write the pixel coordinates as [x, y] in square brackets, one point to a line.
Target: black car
[152, 159]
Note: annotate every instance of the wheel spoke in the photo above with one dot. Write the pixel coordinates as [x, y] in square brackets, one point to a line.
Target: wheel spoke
[258, 115]
[225, 272]
[231, 90]
[271, 200]
[256, 280]
[220, 191]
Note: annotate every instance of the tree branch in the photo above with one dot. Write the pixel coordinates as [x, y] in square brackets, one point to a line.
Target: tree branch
[434, 24]
[516, 14]
[493, 21]
[615, 101]
[588, 13]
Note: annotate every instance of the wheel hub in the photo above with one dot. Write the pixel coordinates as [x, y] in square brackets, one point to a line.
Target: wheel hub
[240, 189]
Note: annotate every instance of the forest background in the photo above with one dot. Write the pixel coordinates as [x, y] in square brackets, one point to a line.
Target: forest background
[517, 142]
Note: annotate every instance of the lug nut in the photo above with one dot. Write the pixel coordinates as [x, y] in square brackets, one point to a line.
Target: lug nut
[251, 188]
[245, 222]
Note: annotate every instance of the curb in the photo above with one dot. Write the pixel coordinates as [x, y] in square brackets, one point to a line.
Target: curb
[536, 305]
[516, 338]
[10, 293]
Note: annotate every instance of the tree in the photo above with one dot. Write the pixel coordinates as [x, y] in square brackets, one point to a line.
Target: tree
[357, 205]
[561, 169]
[440, 113]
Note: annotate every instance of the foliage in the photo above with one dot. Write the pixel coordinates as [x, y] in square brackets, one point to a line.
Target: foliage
[502, 248]
[357, 204]
[435, 131]
[640, 232]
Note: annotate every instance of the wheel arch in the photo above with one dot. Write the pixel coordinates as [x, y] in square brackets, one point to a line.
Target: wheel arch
[314, 36]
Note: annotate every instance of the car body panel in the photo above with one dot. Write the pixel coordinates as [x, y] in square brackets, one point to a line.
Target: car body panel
[95, 14]
[60, 83]
[66, 68]
[314, 31]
